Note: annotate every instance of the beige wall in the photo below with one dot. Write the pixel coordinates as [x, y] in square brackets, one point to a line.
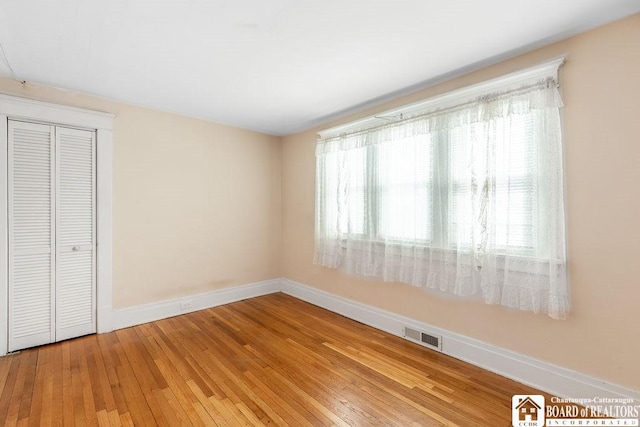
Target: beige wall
[601, 90]
[196, 205]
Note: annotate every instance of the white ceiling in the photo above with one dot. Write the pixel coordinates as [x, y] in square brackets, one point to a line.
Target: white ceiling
[276, 66]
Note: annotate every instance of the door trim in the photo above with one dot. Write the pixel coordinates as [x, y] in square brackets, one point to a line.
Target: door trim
[12, 107]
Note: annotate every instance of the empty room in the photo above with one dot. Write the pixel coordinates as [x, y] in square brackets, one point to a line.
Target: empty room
[280, 212]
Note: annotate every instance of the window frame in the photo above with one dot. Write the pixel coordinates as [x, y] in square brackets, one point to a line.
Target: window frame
[441, 237]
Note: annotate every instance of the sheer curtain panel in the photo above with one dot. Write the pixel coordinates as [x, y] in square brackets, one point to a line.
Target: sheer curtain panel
[465, 198]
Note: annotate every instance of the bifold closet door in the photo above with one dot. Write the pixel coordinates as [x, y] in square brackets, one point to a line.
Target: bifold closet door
[31, 182]
[75, 233]
[51, 234]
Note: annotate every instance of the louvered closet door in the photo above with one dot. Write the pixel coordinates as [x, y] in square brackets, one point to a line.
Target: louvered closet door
[51, 234]
[75, 233]
[31, 235]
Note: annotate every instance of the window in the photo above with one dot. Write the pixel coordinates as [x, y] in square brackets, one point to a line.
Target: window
[462, 194]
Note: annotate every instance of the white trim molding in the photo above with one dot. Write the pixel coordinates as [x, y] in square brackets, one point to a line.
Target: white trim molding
[137, 315]
[4, 236]
[13, 107]
[544, 376]
[104, 230]
[30, 109]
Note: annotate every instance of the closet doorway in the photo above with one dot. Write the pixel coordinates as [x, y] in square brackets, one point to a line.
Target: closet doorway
[55, 223]
[51, 213]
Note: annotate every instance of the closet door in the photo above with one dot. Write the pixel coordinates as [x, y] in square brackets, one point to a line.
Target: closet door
[75, 233]
[52, 285]
[31, 182]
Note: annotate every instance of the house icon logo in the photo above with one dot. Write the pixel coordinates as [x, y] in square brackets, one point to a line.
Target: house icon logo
[527, 410]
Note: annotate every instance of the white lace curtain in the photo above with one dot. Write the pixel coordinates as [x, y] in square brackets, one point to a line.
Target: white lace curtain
[466, 200]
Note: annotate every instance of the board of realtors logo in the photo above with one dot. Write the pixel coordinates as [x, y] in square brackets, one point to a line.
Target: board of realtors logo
[527, 410]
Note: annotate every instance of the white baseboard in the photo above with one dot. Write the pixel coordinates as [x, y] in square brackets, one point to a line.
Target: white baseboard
[544, 376]
[137, 315]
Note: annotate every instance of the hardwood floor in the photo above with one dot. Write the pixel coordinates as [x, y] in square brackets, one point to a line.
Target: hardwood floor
[272, 360]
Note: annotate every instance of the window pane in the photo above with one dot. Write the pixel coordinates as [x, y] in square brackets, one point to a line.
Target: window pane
[404, 189]
[352, 214]
[327, 184]
[466, 152]
[341, 181]
[515, 176]
[493, 168]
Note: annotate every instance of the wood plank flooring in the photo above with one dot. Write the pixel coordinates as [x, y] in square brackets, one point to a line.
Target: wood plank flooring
[271, 360]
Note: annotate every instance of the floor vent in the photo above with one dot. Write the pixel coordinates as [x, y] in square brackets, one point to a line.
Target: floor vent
[428, 340]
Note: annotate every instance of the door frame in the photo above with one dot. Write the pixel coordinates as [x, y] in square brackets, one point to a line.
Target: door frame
[13, 107]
